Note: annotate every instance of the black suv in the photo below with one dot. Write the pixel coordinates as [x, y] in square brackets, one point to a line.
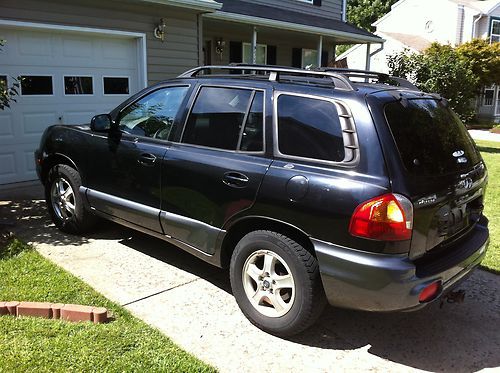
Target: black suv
[344, 186]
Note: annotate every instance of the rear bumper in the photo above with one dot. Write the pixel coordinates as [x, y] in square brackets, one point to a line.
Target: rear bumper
[382, 282]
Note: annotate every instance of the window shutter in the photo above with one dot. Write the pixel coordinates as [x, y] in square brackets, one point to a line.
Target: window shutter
[235, 51]
[324, 58]
[271, 55]
[317, 2]
[297, 57]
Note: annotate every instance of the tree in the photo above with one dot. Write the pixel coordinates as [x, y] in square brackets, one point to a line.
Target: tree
[484, 60]
[363, 13]
[440, 69]
[7, 93]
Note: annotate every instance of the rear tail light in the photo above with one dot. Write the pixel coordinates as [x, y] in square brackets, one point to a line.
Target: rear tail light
[430, 292]
[385, 218]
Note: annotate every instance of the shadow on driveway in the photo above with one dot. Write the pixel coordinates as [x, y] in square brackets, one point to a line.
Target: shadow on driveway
[458, 338]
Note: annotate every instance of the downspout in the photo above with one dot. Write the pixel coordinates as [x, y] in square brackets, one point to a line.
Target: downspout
[460, 24]
[474, 25]
[344, 10]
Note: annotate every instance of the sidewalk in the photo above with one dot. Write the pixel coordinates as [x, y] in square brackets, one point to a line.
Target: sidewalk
[191, 302]
[484, 135]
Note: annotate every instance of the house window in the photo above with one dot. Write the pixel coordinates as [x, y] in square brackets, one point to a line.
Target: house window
[489, 94]
[309, 58]
[261, 54]
[33, 85]
[116, 86]
[78, 85]
[495, 31]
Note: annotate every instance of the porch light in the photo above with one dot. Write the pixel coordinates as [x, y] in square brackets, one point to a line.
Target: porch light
[220, 45]
[159, 31]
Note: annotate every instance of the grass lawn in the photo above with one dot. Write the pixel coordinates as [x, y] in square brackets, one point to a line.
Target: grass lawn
[490, 151]
[33, 344]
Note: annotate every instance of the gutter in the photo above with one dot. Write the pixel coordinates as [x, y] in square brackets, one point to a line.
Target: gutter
[202, 5]
[257, 21]
[474, 24]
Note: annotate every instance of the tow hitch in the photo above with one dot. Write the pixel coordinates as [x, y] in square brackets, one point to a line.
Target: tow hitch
[453, 297]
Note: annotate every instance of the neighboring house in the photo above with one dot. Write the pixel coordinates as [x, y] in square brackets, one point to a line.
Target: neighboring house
[79, 58]
[415, 24]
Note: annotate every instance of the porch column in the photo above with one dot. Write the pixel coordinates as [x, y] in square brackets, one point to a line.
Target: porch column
[320, 49]
[367, 62]
[254, 46]
[334, 53]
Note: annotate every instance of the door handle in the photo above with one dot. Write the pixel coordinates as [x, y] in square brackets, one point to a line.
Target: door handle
[235, 179]
[147, 159]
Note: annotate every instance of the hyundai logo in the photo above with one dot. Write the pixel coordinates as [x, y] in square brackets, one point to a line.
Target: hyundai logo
[458, 153]
[465, 183]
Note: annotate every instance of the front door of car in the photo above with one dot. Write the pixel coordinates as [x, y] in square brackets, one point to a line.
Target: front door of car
[216, 169]
[126, 175]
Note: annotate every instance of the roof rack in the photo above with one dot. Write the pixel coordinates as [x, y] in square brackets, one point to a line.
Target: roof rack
[339, 77]
[381, 77]
[339, 81]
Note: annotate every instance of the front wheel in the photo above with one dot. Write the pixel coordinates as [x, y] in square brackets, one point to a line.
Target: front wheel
[64, 201]
[276, 283]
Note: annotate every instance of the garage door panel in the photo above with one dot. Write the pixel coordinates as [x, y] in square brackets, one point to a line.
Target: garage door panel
[78, 47]
[31, 44]
[35, 123]
[8, 167]
[78, 117]
[6, 126]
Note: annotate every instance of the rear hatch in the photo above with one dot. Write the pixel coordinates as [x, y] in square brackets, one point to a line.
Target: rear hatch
[445, 177]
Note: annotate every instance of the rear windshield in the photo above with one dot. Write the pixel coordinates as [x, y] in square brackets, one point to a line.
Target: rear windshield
[430, 138]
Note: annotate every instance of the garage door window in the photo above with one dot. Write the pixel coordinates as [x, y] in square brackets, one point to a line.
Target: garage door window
[35, 85]
[78, 85]
[116, 85]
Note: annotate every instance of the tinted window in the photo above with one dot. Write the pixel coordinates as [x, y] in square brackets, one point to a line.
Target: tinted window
[36, 85]
[154, 114]
[217, 117]
[430, 138]
[309, 128]
[78, 85]
[252, 139]
[116, 86]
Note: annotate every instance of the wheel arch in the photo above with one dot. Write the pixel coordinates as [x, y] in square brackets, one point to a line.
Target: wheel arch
[239, 228]
[52, 160]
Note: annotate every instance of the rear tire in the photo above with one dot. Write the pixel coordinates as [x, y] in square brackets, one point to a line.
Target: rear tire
[276, 283]
[64, 202]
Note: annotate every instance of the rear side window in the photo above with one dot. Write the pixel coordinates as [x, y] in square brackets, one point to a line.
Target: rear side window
[430, 138]
[226, 118]
[309, 128]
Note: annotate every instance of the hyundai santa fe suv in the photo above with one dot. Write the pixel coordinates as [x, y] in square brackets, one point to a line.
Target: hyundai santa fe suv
[340, 186]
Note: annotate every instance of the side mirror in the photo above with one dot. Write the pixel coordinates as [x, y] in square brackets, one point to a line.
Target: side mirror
[101, 123]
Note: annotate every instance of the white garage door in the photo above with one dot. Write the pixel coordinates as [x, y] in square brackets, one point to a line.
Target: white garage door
[67, 77]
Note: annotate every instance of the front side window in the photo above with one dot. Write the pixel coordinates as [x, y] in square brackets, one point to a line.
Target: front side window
[154, 114]
[260, 54]
[219, 119]
[495, 31]
[309, 128]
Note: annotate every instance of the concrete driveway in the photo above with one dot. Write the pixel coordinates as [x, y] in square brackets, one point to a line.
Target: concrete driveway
[191, 302]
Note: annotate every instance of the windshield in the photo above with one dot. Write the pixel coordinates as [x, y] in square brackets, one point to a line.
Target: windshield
[430, 138]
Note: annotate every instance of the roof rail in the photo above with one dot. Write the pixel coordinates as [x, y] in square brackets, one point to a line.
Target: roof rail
[339, 81]
[367, 74]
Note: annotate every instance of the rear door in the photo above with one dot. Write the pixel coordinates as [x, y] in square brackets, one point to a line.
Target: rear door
[217, 168]
[443, 172]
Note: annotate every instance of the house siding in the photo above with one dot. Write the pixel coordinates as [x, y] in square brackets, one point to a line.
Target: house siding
[178, 53]
[328, 8]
